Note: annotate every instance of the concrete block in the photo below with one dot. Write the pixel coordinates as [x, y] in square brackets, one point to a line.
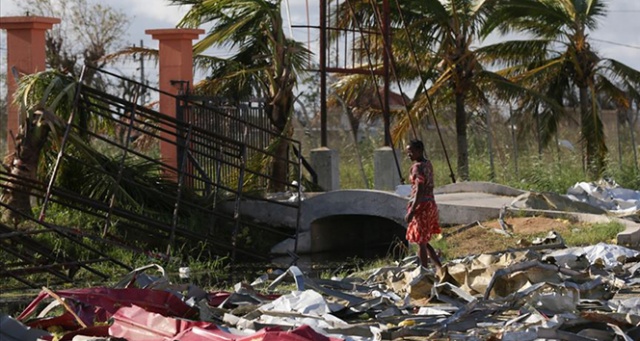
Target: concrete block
[326, 163]
[385, 170]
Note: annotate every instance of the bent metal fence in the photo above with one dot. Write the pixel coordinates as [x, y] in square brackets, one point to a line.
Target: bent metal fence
[110, 185]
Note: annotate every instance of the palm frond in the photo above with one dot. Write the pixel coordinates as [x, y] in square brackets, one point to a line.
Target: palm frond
[541, 18]
[132, 50]
[612, 92]
[622, 72]
[52, 90]
[515, 52]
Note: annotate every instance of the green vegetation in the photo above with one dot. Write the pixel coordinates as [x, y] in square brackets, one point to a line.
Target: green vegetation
[137, 252]
[593, 234]
[552, 171]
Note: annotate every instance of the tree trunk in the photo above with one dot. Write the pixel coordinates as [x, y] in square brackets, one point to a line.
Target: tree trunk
[279, 167]
[592, 135]
[23, 165]
[279, 113]
[461, 135]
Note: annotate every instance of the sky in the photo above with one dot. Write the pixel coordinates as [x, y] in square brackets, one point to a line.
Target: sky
[617, 36]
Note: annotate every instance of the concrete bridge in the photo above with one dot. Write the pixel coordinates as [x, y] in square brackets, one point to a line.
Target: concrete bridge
[347, 219]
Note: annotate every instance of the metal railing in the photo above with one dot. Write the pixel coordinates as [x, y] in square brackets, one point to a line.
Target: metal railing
[130, 192]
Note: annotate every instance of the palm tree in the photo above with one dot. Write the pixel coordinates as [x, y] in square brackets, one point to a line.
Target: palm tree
[266, 63]
[42, 117]
[436, 47]
[559, 59]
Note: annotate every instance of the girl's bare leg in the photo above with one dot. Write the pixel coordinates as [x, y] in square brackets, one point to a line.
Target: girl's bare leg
[423, 255]
[434, 257]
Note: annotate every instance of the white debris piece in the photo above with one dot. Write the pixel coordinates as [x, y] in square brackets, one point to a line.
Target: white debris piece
[606, 195]
[628, 306]
[609, 255]
[307, 302]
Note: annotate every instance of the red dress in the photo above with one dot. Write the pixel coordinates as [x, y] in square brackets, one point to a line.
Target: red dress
[424, 223]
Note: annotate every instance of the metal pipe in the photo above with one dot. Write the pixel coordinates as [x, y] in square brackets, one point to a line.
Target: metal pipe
[236, 210]
[176, 208]
[63, 144]
[386, 29]
[323, 73]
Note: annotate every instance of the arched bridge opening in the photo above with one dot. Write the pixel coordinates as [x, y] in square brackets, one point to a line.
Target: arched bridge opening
[359, 235]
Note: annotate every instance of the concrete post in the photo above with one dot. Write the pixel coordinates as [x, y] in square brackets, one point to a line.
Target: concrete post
[26, 52]
[175, 64]
[326, 163]
[385, 170]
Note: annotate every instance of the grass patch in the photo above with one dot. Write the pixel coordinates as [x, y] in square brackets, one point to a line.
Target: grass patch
[481, 239]
[593, 234]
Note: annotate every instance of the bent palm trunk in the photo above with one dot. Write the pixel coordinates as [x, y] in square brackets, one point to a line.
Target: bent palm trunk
[22, 165]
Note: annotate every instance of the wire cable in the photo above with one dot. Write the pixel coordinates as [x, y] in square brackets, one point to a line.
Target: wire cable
[615, 43]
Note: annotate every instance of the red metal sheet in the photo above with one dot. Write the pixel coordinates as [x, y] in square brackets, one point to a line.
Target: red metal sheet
[135, 323]
[302, 333]
[158, 301]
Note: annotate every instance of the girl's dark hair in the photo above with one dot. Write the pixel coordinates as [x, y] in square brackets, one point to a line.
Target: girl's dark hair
[416, 144]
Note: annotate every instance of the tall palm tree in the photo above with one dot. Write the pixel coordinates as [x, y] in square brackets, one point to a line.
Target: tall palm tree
[560, 60]
[266, 63]
[433, 44]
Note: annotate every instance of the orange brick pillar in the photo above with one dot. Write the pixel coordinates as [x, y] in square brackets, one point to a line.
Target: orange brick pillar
[26, 52]
[175, 64]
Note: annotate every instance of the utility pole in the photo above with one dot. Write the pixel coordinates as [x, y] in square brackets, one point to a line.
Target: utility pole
[143, 97]
[386, 40]
[323, 73]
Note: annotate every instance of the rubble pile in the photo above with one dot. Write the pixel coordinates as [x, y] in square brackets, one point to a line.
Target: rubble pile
[580, 293]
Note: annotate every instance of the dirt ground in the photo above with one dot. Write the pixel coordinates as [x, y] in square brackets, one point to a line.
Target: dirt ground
[481, 238]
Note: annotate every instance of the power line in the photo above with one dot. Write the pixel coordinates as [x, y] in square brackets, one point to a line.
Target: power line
[615, 43]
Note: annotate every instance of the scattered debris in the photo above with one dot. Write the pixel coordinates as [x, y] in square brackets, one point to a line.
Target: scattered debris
[609, 196]
[501, 220]
[601, 197]
[569, 293]
[12, 330]
[554, 202]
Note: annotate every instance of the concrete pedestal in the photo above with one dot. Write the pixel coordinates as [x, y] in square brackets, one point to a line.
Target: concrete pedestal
[26, 51]
[175, 61]
[326, 163]
[385, 171]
